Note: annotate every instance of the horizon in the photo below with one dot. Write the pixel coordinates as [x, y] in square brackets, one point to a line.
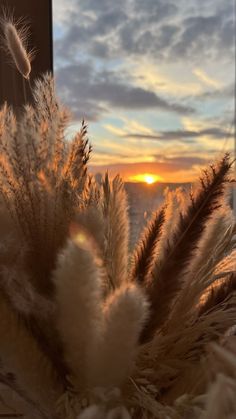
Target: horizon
[150, 79]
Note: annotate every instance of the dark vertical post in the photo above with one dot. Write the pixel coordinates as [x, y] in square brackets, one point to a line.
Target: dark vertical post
[39, 15]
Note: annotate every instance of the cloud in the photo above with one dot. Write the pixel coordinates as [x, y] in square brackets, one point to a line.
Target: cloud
[100, 37]
[205, 37]
[185, 161]
[91, 93]
[168, 168]
[203, 77]
[154, 28]
[222, 93]
[214, 132]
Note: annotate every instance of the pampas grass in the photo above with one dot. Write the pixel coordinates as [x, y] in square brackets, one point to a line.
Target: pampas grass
[78, 299]
[125, 312]
[144, 253]
[116, 237]
[84, 301]
[15, 42]
[88, 330]
[168, 274]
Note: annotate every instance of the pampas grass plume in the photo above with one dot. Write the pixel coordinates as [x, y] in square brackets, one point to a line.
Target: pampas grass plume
[14, 42]
[125, 312]
[78, 296]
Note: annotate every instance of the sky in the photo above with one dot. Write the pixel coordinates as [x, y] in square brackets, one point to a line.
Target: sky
[154, 80]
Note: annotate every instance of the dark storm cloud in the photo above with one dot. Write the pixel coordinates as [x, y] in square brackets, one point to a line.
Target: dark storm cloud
[215, 133]
[97, 91]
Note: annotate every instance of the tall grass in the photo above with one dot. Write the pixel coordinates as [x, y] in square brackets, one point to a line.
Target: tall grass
[88, 330]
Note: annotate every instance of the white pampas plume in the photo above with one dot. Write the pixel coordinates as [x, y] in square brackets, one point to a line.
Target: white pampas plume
[125, 312]
[15, 41]
[78, 297]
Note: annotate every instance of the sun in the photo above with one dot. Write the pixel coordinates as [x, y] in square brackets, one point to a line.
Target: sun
[148, 178]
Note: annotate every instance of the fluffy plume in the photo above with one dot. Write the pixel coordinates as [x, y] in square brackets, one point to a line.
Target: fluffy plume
[176, 202]
[218, 237]
[116, 231]
[42, 178]
[15, 42]
[167, 277]
[219, 293]
[145, 250]
[124, 313]
[78, 296]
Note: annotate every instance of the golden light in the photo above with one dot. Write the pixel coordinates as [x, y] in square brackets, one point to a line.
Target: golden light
[148, 178]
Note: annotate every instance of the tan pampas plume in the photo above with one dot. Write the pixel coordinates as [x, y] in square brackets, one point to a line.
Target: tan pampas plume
[144, 252]
[78, 298]
[227, 264]
[15, 36]
[168, 275]
[179, 354]
[219, 293]
[176, 202]
[125, 313]
[42, 177]
[115, 210]
[211, 249]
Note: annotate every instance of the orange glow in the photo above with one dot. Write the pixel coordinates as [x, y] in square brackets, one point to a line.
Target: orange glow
[146, 178]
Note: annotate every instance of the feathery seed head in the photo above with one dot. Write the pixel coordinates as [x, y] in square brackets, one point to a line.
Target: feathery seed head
[15, 41]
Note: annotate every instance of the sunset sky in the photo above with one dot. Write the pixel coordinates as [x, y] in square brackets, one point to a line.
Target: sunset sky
[153, 79]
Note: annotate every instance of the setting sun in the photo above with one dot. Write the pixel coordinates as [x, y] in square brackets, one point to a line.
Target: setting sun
[146, 178]
[149, 179]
